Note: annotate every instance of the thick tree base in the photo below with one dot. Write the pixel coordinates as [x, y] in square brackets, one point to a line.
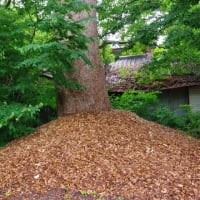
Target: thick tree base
[94, 97]
[71, 102]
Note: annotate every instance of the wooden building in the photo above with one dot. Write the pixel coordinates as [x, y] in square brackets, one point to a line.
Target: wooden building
[175, 90]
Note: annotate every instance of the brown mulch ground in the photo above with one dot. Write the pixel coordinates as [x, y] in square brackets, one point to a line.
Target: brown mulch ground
[115, 155]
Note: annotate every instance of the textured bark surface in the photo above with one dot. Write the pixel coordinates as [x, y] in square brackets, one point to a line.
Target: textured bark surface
[94, 97]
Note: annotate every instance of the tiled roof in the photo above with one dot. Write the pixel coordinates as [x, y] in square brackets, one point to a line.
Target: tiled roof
[129, 64]
[116, 82]
[135, 62]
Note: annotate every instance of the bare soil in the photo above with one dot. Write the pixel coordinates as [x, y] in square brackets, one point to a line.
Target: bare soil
[109, 155]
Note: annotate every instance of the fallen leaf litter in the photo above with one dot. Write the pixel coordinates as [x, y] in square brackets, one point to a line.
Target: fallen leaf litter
[114, 154]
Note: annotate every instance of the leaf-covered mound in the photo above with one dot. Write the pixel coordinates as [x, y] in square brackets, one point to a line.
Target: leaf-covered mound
[109, 154]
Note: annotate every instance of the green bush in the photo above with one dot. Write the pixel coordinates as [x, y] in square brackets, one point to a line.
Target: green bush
[31, 48]
[16, 120]
[139, 102]
[192, 122]
[164, 116]
[147, 105]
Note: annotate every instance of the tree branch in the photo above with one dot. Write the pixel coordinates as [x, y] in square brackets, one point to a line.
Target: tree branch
[7, 4]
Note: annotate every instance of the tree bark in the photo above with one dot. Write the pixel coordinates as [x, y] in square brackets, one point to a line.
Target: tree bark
[94, 97]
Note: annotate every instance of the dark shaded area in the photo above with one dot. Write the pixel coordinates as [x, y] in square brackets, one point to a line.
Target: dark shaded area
[46, 114]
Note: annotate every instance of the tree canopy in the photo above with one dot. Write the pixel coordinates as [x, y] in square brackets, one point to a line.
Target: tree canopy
[38, 38]
[169, 27]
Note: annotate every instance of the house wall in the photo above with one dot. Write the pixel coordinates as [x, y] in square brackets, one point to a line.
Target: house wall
[173, 98]
[194, 98]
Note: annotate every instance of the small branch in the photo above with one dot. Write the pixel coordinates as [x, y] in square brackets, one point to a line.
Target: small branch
[33, 35]
[7, 4]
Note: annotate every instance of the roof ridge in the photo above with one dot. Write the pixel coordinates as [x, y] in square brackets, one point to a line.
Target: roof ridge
[133, 56]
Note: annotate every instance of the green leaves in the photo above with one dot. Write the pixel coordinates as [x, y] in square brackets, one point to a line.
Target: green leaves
[16, 120]
[148, 106]
[143, 22]
[15, 112]
[37, 37]
[47, 39]
[106, 55]
[140, 102]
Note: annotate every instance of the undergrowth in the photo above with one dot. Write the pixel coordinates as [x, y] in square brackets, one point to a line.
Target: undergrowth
[147, 105]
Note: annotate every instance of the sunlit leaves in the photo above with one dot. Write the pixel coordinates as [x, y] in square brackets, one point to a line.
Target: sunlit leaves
[38, 37]
[144, 22]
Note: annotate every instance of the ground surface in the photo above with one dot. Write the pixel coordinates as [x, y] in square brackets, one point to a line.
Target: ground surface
[115, 155]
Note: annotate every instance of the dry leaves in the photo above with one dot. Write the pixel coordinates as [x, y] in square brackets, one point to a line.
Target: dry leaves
[114, 154]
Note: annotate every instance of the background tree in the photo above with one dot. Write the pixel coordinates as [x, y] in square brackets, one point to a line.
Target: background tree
[144, 22]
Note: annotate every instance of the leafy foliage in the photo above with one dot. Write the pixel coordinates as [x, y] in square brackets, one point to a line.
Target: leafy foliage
[141, 24]
[106, 55]
[136, 101]
[148, 106]
[38, 39]
[169, 25]
[16, 120]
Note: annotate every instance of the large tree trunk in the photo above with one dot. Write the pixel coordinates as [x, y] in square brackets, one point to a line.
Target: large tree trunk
[95, 97]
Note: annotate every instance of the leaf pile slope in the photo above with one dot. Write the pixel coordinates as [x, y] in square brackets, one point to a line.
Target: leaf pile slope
[112, 153]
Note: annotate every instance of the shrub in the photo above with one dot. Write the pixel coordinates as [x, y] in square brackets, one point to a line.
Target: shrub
[147, 105]
[136, 101]
[192, 122]
[31, 48]
[16, 120]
